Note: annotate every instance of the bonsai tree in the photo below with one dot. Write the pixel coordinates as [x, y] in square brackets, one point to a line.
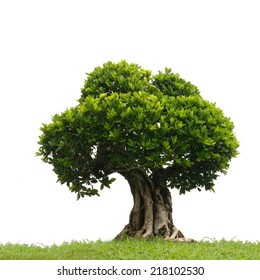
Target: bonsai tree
[155, 130]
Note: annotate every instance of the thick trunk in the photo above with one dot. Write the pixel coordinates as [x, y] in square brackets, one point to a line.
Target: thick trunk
[151, 214]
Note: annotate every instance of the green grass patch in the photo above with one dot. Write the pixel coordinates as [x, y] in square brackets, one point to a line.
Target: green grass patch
[130, 249]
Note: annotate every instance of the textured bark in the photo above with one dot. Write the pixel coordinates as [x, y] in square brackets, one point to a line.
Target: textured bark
[151, 214]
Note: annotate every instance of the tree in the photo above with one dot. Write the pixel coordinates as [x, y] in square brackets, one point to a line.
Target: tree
[155, 130]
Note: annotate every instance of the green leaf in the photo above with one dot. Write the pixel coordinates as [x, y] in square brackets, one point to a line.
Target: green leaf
[182, 191]
[131, 142]
[112, 180]
[107, 125]
[172, 120]
[165, 126]
[153, 127]
[174, 139]
[209, 142]
[166, 145]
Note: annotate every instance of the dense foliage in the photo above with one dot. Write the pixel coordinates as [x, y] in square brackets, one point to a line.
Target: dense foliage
[128, 118]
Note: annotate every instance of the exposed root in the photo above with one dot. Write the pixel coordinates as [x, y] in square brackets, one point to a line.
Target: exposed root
[176, 233]
[181, 239]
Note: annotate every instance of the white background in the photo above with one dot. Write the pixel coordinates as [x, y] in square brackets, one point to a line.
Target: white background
[47, 47]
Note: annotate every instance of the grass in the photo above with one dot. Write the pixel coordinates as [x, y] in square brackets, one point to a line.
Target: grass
[130, 249]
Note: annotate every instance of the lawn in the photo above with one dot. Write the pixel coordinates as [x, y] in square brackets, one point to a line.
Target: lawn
[155, 249]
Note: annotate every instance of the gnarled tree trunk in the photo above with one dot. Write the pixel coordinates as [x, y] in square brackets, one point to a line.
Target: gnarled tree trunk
[151, 214]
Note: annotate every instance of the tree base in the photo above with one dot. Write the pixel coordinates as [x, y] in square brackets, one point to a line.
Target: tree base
[127, 232]
[151, 215]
